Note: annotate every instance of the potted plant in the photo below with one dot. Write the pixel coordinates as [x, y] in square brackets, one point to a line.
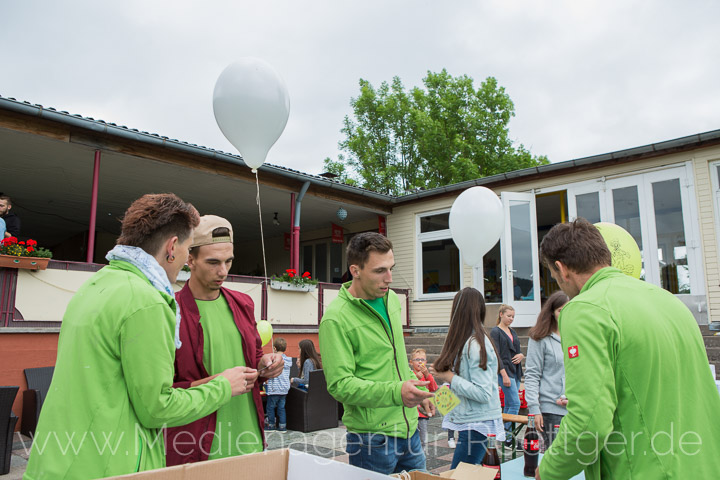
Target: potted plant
[26, 254]
[290, 280]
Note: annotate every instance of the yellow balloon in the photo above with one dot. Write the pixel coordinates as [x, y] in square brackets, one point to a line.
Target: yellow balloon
[623, 248]
[265, 330]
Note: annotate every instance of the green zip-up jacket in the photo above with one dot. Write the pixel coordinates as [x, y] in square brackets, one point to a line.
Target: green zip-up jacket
[111, 391]
[366, 364]
[642, 403]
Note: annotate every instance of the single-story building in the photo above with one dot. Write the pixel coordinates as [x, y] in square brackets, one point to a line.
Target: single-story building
[71, 178]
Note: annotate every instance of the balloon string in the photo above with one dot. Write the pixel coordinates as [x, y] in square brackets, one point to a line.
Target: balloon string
[262, 235]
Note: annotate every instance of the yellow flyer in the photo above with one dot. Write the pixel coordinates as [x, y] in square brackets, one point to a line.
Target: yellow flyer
[445, 400]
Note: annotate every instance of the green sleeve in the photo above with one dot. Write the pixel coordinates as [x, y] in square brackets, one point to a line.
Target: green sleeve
[339, 365]
[147, 356]
[590, 390]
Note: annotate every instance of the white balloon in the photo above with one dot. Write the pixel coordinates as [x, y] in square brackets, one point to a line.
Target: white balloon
[251, 106]
[476, 223]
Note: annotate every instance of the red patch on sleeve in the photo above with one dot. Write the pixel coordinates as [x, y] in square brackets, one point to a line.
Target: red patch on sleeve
[573, 351]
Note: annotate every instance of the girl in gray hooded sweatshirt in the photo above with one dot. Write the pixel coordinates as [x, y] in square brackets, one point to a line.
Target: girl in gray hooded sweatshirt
[544, 369]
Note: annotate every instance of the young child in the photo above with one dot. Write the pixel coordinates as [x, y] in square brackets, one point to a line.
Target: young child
[417, 363]
[277, 389]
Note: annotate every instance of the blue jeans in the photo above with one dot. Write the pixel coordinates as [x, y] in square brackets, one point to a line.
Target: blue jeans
[512, 399]
[470, 448]
[273, 402]
[383, 454]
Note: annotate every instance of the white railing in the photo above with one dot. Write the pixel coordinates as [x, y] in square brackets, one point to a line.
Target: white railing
[39, 298]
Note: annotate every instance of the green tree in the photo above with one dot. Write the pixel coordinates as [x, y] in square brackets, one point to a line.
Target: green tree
[444, 133]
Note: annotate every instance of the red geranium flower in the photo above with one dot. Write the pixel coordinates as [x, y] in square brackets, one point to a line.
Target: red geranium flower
[306, 275]
[32, 243]
[30, 249]
[21, 243]
[291, 272]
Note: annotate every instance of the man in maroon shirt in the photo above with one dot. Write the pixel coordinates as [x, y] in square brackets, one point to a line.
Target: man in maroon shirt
[211, 256]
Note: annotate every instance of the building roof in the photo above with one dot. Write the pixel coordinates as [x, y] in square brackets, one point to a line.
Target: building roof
[620, 156]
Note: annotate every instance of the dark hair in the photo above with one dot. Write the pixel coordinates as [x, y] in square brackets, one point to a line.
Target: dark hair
[280, 344]
[307, 350]
[466, 320]
[360, 246]
[578, 245]
[153, 218]
[6, 198]
[546, 322]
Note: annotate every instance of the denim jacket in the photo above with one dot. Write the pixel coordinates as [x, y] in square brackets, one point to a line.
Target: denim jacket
[476, 388]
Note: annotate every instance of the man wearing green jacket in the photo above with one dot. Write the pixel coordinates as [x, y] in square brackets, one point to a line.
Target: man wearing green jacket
[111, 392]
[366, 366]
[641, 399]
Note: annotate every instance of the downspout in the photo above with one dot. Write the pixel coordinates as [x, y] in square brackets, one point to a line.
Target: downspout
[293, 253]
[296, 226]
[93, 209]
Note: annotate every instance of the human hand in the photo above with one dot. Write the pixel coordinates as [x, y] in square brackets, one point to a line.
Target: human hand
[413, 396]
[518, 358]
[537, 473]
[423, 369]
[442, 377]
[506, 381]
[271, 365]
[562, 401]
[242, 379]
[418, 374]
[427, 407]
[539, 421]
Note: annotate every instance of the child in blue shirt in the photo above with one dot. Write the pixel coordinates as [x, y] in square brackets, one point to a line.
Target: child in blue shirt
[277, 389]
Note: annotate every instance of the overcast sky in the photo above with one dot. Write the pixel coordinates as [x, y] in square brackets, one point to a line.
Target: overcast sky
[587, 77]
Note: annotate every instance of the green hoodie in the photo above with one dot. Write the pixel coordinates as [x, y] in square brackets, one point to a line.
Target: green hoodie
[366, 364]
[641, 400]
[111, 391]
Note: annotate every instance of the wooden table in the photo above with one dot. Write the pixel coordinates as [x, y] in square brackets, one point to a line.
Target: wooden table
[517, 424]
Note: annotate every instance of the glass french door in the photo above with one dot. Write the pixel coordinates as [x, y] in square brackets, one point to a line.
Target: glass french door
[521, 285]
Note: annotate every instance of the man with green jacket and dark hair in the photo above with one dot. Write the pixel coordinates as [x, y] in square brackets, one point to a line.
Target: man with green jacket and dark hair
[641, 399]
[366, 367]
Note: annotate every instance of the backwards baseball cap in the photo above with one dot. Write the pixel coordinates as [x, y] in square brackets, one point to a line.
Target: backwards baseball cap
[203, 234]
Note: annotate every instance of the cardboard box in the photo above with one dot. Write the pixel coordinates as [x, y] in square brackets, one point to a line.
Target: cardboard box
[271, 465]
[416, 476]
[466, 471]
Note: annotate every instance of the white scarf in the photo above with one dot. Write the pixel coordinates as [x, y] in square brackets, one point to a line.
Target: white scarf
[150, 267]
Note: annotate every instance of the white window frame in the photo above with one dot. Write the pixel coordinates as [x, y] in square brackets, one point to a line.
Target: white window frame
[525, 310]
[644, 180]
[715, 179]
[428, 237]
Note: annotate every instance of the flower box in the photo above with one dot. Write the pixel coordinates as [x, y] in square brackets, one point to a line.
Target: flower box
[183, 276]
[277, 285]
[30, 263]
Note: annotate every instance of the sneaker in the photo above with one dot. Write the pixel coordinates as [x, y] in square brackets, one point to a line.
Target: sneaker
[451, 443]
[282, 428]
[269, 428]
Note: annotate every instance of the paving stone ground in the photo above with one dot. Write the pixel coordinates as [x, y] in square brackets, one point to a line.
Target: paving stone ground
[328, 443]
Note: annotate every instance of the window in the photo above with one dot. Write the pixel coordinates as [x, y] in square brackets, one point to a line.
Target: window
[439, 268]
[324, 260]
[715, 176]
[656, 208]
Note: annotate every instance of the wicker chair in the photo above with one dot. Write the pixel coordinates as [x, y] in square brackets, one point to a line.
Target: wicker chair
[38, 381]
[7, 426]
